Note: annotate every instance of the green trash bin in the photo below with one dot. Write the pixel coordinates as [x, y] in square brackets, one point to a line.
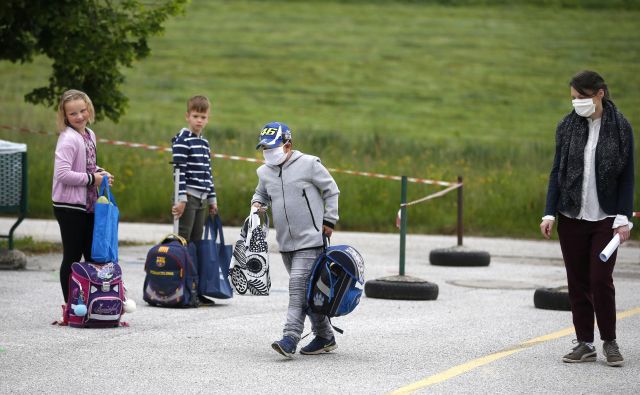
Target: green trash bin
[13, 183]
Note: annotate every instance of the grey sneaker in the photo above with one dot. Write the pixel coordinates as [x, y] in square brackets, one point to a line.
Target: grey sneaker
[581, 353]
[612, 353]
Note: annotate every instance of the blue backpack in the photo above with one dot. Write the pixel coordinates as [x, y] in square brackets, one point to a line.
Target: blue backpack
[336, 281]
[172, 275]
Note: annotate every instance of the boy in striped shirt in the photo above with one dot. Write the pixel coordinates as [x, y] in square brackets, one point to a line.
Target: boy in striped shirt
[192, 156]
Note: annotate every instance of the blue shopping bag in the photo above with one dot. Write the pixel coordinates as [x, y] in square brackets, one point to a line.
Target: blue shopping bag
[213, 261]
[104, 247]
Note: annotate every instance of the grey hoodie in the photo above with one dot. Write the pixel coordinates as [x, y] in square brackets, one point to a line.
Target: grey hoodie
[303, 196]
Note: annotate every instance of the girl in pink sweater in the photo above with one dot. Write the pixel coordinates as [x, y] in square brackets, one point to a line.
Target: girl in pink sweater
[75, 177]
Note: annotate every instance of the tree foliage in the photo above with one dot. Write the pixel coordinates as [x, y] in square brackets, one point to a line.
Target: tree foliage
[87, 40]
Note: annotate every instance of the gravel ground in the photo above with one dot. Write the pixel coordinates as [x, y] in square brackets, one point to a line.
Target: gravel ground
[387, 345]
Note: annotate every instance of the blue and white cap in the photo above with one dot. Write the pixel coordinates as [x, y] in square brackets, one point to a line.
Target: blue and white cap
[274, 134]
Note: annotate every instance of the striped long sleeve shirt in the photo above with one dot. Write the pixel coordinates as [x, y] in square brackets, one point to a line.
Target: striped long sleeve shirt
[192, 156]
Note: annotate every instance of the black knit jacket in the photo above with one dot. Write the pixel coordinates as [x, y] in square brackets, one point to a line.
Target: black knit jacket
[614, 164]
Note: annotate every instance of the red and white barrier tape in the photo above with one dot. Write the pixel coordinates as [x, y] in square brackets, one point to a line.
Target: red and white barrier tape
[433, 195]
[240, 158]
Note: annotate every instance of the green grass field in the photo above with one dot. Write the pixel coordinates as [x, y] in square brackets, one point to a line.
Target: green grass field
[428, 91]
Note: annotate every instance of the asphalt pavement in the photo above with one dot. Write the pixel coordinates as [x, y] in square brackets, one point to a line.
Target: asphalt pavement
[482, 334]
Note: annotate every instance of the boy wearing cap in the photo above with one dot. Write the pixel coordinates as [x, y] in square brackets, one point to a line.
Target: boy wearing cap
[304, 205]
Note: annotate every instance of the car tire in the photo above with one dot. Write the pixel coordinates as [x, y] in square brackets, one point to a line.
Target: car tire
[459, 256]
[552, 298]
[401, 288]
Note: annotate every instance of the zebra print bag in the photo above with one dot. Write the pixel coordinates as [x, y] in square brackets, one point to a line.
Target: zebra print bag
[250, 262]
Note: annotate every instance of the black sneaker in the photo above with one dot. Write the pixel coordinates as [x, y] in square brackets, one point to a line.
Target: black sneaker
[286, 346]
[612, 353]
[319, 345]
[204, 301]
[581, 353]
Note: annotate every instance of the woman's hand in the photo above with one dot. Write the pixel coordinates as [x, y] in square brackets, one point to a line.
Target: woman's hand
[624, 232]
[546, 227]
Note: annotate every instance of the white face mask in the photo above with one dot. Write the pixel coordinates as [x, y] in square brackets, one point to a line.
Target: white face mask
[274, 156]
[584, 107]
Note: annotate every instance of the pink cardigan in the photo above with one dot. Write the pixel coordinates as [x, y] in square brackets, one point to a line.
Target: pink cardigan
[70, 177]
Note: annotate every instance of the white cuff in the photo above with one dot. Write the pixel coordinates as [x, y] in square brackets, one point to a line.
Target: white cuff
[551, 217]
[621, 220]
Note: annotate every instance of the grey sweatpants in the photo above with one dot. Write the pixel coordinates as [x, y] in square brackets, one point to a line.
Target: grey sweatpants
[299, 264]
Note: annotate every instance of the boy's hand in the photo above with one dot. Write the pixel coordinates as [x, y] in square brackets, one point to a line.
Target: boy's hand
[213, 209]
[327, 230]
[259, 206]
[178, 209]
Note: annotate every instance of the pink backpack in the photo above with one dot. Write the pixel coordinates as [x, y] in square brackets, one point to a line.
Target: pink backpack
[96, 295]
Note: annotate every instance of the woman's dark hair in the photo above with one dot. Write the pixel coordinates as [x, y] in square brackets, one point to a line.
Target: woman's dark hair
[589, 82]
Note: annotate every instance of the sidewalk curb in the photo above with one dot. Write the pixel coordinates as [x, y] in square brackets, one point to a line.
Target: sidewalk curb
[418, 246]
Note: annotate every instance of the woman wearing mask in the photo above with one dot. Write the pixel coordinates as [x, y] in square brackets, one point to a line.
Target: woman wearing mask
[591, 192]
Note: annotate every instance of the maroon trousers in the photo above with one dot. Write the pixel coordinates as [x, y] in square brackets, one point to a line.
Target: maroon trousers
[590, 280]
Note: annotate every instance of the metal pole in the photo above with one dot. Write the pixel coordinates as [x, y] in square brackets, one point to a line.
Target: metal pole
[460, 212]
[176, 182]
[403, 223]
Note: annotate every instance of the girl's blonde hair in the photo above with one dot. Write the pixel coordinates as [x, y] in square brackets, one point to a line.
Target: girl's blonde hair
[70, 95]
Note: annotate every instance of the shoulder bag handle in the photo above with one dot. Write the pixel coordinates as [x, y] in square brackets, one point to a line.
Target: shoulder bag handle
[104, 188]
[216, 228]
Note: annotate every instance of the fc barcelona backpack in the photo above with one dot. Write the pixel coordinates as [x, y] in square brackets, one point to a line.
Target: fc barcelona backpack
[172, 276]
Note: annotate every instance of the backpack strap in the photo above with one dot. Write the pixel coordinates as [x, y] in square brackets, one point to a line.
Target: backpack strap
[64, 321]
[326, 241]
[335, 328]
[173, 237]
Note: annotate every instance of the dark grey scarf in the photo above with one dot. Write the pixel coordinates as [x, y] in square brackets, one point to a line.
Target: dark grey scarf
[612, 153]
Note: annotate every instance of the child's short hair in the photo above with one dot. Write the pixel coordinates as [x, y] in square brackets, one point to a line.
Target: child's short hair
[198, 104]
[70, 95]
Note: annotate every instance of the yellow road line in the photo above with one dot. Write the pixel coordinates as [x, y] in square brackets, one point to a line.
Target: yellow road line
[468, 366]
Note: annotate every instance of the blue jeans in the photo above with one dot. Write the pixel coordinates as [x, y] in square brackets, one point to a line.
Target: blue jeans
[298, 265]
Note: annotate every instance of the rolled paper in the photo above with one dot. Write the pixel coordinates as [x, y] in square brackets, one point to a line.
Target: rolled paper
[612, 246]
